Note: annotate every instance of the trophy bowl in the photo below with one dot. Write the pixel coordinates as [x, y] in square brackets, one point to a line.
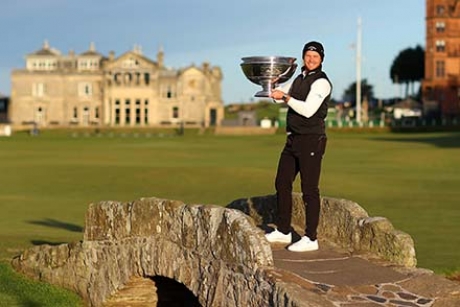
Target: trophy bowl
[268, 71]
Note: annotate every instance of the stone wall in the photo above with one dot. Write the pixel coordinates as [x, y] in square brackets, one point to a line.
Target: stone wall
[342, 222]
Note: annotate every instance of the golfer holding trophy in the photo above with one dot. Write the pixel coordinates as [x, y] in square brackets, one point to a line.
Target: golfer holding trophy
[306, 98]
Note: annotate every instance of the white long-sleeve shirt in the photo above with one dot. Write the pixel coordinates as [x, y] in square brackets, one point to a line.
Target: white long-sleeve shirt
[319, 90]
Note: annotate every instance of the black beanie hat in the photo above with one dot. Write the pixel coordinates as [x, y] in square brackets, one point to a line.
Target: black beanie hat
[314, 46]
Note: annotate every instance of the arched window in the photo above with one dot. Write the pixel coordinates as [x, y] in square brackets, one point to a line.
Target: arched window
[175, 112]
[169, 92]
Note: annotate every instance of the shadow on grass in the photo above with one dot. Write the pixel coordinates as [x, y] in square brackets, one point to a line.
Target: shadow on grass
[30, 303]
[441, 141]
[58, 224]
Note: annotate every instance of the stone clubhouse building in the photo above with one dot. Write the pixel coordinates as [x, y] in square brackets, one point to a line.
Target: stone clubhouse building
[131, 90]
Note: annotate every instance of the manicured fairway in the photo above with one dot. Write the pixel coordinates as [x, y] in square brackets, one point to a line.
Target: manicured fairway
[47, 182]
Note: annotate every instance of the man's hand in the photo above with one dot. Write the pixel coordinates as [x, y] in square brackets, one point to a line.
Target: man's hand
[280, 95]
[277, 94]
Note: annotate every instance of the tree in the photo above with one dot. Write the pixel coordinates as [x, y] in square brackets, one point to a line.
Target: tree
[367, 92]
[408, 68]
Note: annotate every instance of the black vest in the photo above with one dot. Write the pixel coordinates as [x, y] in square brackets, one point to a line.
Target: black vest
[299, 124]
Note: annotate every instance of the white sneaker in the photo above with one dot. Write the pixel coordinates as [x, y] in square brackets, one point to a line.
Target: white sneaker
[278, 236]
[304, 245]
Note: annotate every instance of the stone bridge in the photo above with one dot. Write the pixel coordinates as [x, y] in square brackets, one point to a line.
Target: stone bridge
[218, 254]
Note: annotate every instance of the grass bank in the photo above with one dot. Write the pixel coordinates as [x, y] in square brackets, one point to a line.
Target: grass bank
[47, 182]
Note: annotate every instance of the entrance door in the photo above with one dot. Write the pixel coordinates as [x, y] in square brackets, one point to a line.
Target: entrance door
[40, 116]
[212, 117]
[85, 116]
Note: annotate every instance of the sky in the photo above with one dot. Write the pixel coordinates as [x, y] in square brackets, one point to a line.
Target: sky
[191, 32]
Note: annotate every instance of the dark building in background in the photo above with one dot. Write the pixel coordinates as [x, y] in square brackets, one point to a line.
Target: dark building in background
[441, 85]
[4, 101]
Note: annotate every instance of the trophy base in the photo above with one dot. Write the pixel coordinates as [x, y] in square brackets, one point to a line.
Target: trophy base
[265, 94]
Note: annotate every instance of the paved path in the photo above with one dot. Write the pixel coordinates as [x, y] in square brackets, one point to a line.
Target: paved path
[345, 280]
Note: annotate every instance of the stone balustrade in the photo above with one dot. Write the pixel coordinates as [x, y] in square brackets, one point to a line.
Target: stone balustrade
[342, 222]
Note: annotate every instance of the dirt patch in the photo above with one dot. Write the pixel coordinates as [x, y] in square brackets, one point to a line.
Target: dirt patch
[455, 277]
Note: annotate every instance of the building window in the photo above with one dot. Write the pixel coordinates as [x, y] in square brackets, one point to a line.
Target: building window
[82, 64]
[38, 89]
[440, 26]
[117, 116]
[147, 78]
[440, 46]
[75, 113]
[440, 69]
[127, 102]
[138, 116]
[116, 78]
[175, 112]
[146, 116]
[85, 89]
[88, 64]
[96, 112]
[169, 92]
[440, 10]
[128, 116]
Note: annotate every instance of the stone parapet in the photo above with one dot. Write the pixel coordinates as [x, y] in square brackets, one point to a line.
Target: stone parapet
[342, 222]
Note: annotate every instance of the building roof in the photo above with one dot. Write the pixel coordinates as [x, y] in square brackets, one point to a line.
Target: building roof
[91, 51]
[46, 50]
[141, 56]
[408, 103]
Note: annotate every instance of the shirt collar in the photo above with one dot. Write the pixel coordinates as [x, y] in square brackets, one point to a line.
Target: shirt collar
[306, 72]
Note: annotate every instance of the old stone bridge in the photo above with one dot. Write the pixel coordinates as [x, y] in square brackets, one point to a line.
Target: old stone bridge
[218, 254]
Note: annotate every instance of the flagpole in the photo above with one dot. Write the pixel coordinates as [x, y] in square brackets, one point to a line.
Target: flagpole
[358, 73]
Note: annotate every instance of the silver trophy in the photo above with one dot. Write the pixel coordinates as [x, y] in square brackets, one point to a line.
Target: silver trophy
[268, 71]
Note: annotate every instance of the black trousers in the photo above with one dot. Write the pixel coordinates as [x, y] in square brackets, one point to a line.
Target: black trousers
[302, 153]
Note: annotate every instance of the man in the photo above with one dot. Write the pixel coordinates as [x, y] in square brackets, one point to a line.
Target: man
[307, 98]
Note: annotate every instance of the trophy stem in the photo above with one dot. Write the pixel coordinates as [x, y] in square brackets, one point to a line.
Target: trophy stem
[267, 87]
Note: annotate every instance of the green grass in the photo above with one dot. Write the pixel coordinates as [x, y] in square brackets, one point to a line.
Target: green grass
[47, 182]
[16, 291]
